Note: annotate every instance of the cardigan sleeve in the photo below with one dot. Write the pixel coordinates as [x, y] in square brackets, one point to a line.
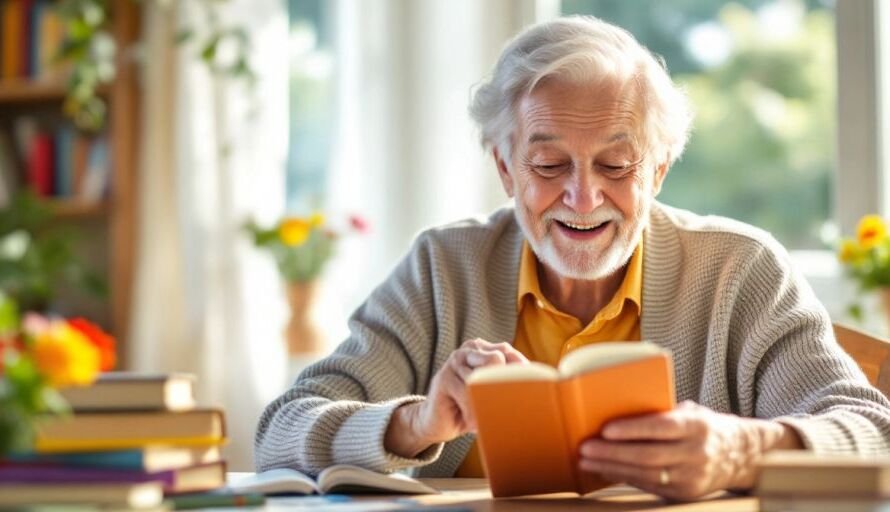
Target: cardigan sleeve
[339, 408]
[801, 376]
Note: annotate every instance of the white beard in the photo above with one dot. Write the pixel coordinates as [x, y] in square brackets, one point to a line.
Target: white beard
[584, 261]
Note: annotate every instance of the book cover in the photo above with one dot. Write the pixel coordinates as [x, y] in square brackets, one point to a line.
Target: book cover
[133, 391]
[532, 418]
[191, 479]
[149, 458]
[11, 38]
[340, 479]
[141, 495]
[97, 431]
[41, 161]
[806, 474]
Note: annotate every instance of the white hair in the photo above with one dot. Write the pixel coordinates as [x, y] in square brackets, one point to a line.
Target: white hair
[581, 49]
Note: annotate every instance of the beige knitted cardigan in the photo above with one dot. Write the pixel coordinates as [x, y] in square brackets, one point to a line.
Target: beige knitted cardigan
[747, 334]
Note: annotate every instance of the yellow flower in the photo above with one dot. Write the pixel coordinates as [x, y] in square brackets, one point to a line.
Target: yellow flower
[294, 231]
[849, 251]
[316, 220]
[65, 356]
[871, 231]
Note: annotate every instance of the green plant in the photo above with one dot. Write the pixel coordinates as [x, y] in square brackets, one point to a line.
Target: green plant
[36, 255]
[301, 245]
[90, 50]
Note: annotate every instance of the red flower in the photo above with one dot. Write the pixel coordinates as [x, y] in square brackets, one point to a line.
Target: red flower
[359, 223]
[100, 339]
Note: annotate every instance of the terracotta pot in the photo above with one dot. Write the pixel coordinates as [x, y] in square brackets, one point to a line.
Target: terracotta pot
[303, 334]
[884, 295]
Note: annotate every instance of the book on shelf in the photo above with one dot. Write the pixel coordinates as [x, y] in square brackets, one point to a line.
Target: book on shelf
[531, 418]
[31, 33]
[338, 479]
[97, 431]
[175, 481]
[133, 391]
[806, 474]
[137, 496]
[149, 458]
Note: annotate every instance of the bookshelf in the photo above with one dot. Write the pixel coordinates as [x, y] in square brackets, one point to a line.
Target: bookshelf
[105, 226]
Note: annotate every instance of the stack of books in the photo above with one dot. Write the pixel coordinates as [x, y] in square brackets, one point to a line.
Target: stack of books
[131, 440]
[806, 482]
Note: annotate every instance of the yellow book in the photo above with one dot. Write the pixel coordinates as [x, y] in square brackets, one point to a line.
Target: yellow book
[130, 430]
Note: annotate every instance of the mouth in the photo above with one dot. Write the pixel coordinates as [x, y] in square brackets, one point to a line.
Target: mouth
[582, 228]
[582, 232]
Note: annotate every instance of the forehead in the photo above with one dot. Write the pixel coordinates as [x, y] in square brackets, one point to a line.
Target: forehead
[557, 109]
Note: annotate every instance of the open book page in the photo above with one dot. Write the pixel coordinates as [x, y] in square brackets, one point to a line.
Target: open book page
[340, 478]
[274, 481]
[346, 479]
[513, 372]
[602, 355]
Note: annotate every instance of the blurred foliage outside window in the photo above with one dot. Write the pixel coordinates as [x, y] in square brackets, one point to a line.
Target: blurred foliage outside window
[761, 77]
[312, 101]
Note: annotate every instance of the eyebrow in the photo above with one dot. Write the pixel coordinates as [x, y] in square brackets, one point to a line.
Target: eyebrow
[547, 137]
[541, 137]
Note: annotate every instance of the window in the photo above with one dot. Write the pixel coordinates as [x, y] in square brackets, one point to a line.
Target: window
[761, 78]
[312, 101]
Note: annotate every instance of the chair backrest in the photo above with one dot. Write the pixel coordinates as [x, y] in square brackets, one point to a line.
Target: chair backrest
[870, 352]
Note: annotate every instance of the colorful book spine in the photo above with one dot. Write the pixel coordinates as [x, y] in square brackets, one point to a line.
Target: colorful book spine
[40, 164]
[31, 474]
[133, 460]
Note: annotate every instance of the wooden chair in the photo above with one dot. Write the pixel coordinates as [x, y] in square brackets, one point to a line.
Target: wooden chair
[870, 352]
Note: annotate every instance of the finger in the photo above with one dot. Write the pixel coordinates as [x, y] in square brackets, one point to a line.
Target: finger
[459, 365]
[666, 426]
[479, 358]
[649, 454]
[511, 355]
[638, 476]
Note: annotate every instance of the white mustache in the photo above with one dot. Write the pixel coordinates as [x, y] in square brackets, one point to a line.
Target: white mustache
[599, 216]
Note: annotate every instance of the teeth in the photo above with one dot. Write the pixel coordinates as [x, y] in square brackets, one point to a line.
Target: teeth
[580, 227]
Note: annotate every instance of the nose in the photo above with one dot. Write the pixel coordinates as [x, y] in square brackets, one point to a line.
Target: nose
[583, 192]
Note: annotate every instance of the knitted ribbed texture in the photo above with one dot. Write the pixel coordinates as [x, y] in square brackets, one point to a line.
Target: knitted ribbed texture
[748, 336]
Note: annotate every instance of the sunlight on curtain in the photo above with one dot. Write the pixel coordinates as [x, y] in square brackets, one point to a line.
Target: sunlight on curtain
[206, 301]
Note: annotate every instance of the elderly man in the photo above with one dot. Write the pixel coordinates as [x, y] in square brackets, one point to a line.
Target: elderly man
[583, 124]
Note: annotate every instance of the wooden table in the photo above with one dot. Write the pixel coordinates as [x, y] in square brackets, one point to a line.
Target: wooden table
[473, 494]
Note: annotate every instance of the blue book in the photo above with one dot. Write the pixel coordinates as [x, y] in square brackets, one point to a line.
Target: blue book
[150, 459]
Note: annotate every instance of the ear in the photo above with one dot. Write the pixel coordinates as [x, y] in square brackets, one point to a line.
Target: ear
[503, 172]
[661, 171]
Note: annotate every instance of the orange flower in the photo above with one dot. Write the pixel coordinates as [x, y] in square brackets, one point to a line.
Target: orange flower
[871, 231]
[65, 356]
[294, 231]
[100, 339]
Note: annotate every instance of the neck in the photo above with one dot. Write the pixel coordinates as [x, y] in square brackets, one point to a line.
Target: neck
[579, 298]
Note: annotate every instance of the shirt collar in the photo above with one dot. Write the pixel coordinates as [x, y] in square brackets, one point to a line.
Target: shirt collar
[631, 287]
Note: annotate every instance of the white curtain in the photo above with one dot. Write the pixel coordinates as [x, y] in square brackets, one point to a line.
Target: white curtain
[406, 153]
[213, 154]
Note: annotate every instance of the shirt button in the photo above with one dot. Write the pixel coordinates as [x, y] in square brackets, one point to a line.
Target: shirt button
[539, 303]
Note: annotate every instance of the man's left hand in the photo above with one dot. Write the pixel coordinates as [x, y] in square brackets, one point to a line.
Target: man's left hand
[685, 453]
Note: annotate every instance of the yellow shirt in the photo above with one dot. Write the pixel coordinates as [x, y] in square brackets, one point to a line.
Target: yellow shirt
[545, 334]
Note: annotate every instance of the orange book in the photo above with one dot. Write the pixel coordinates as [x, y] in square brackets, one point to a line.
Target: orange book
[532, 418]
[13, 18]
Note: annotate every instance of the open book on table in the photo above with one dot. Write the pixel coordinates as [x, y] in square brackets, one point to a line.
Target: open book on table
[532, 418]
[337, 479]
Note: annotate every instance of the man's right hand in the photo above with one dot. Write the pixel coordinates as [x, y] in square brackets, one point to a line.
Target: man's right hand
[446, 413]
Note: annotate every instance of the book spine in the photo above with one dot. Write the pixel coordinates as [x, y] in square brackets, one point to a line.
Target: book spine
[215, 499]
[25, 473]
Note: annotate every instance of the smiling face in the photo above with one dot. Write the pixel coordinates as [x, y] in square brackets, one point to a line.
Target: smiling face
[581, 176]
